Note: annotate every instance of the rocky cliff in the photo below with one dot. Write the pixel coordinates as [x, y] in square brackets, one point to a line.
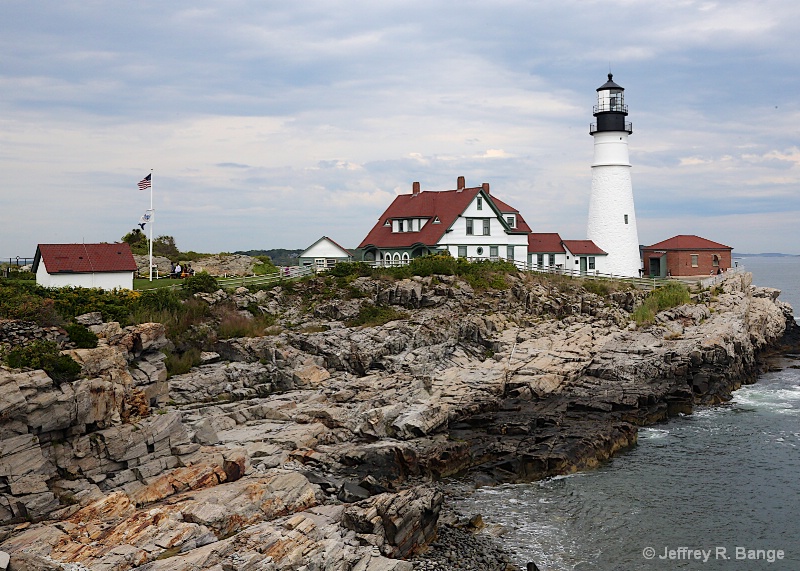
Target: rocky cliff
[314, 447]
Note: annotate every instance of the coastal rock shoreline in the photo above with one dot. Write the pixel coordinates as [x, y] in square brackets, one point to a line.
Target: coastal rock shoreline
[321, 447]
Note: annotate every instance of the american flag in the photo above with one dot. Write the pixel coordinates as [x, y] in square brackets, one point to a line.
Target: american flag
[144, 183]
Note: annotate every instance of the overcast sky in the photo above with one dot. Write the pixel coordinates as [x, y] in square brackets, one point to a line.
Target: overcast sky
[270, 124]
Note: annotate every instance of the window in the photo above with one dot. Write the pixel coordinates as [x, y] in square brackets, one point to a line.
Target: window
[462, 251]
[469, 227]
[694, 260]
[319, 262]
[400, 225]
[436, 220]
[512, 221]
[715, 261]
[405, 257]
[486, 226]
[626, 219]
[480, 203]
[591, 262]
[510, 253]
[388, 222]
[540, 260]
[551, 261]
[480, 250]
[330, 262]
[493, 252]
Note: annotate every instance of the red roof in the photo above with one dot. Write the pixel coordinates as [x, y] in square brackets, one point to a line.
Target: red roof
[85, 258]
[446, 205]
[583, 247]
[545, 243]
[688, 242]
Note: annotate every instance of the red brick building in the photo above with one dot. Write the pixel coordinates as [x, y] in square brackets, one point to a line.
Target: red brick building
[686, 255]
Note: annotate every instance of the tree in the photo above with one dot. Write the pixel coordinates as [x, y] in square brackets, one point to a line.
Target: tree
[137, 240]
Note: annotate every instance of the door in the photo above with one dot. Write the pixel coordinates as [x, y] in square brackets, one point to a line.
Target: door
[584, 264]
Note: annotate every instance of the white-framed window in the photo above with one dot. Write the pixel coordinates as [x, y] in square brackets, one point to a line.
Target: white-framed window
[480, 250]
[436, 220]
[510, 253]
[388, 222]
[462, 251]
[319, 262]
[493, 252]
[591, 262]
[486, 226]
[540, 260]
[469, 227]
[401, 225]
[551, 260]
[480, 203]
[405, 257]
[396, 258]
[695, 258]
[512, 221]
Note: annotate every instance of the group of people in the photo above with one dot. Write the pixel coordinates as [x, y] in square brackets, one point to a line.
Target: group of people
[181, 272]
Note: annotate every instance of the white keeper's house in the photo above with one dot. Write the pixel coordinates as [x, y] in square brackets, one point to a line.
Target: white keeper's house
[471, 223]
[106, 266]
[466, 222]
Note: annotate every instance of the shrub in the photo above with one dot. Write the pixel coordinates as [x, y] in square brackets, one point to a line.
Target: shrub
[179, 363]
[81, 336]
[235, 324]
[672, 294]
[201, 283]
[598, 287]
[265, 266]
[159, 299]
[347, 269]
[44, 355]
[371, 315]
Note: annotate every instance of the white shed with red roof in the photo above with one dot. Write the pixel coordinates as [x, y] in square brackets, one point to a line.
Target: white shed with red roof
[105, 266]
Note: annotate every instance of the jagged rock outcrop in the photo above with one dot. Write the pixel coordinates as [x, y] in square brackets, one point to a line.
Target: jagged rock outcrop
[226, 265]
[303, 449]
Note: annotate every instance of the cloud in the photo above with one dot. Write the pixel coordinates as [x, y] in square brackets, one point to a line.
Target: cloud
[269, 125]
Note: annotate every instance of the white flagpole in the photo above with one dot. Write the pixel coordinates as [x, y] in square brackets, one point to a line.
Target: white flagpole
[152, 217]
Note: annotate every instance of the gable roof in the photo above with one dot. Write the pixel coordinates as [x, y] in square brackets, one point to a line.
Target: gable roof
[84, 258]
[545, 243]
[344, 250]
[687, 242]
[583, 247]
[446, 205]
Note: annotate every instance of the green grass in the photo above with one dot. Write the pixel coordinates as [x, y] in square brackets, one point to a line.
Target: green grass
[144, 283]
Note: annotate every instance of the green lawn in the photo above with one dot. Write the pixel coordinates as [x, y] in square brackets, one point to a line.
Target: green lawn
[144, 283]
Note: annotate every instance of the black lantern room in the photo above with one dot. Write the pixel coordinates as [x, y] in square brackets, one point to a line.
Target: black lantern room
[610, 110]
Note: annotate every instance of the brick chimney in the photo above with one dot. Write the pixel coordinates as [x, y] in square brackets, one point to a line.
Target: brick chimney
[485, 187]
[461, 183]
[415, 188]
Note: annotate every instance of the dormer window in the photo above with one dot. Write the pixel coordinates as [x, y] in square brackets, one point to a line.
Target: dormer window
[512, 221]
[401, 225]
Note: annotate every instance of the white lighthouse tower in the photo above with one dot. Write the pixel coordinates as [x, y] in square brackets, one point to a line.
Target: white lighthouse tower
[612, 219]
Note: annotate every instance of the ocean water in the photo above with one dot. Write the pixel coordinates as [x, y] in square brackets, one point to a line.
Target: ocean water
[718, 489]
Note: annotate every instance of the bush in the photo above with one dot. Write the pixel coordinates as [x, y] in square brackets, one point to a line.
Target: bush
[598, 287]
[180, 363]
[265, 266]
[372, 315]
[201, 283]
[669, 295]
[44, 355]
[348, 269]
[81, 336]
